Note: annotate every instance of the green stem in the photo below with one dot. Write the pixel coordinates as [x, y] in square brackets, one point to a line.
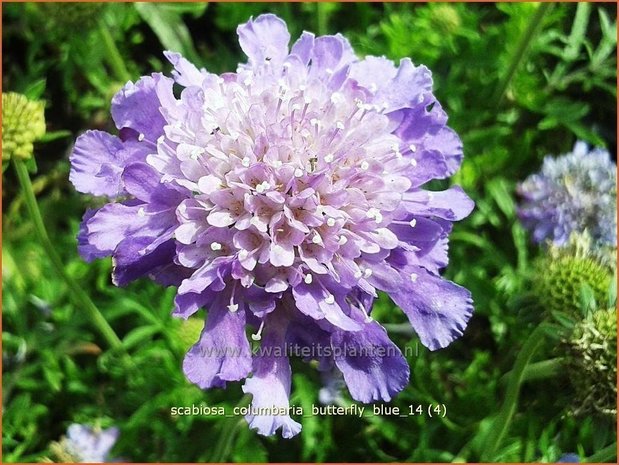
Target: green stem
[521, 50]
[79, 296]
[321, 19]
[501, 423]
[228, 434]
[112, 54]
[608, 454]
[539, 370]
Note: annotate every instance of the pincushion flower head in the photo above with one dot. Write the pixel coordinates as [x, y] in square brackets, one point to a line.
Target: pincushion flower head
[572, 193]
[84, 444]
[283, 197]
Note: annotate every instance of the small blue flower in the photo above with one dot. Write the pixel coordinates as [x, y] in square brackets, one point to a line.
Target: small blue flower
[569, 458]
[574, 192]
[89, 445]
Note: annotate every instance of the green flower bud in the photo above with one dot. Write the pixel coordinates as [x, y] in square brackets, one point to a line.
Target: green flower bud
[23, 122]
[558, 276]
[189, 331]
[592, 363]
[445, 17]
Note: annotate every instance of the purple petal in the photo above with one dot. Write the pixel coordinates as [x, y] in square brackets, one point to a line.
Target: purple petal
[222, 353]
[438, 309]
[136, 106]
[330, 54]
[185, 72]
[88, 251]
[270, 385]
[407, 88]
[303, 47]
[373, 366]
[451, 204]
[316, 302]
[264, 39]
[130, 263]
[373, 73]
[94, 151]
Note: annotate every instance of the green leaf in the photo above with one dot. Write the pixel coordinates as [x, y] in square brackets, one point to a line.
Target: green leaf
[35, 90]
[139, 335]
[54, 135]
[579, 30]
[169, 27]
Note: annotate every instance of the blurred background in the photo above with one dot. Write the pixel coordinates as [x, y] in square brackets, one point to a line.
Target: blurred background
[518, 81]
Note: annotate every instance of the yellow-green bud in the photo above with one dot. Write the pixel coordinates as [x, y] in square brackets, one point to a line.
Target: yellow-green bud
[23, 122]
[560, 274]
[445, 17]
[592, 363]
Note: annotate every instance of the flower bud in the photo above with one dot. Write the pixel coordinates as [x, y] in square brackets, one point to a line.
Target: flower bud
[560, 274]
[23, 122]
[592, 363]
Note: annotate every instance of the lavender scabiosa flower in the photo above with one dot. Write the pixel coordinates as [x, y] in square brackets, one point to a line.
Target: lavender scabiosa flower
[574, 192]
[84, 444]
[283, 196]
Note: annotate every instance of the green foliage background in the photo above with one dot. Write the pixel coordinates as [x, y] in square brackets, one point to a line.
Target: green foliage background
[518, 81]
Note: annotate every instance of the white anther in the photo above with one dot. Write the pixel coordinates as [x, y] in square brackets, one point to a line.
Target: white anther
[365, 165]
[336, 98]
[258, 335]
[413, 222]
[287, 65]
[330, 299]
[329, 158]
[358, 274]
[413, 277]
[243, 254]
[278, 163]
[367, 273]
[215, 246]
[307, 99]
[141, 212]
[420, 98]
[248, 81]
[233, 308]
[342, 240]
[378, 218]
[339, 125]
[298, 173]
[308, 278]
[329, 71]
[262, 187]
[141, 137]
[302, 87]
[413, 162]
[246, 162]
[331, 222]
[296, 107]
[220, 80]
[372, 212]
[195, 153]
[413, 148]
[316, 239]
[314, 122]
